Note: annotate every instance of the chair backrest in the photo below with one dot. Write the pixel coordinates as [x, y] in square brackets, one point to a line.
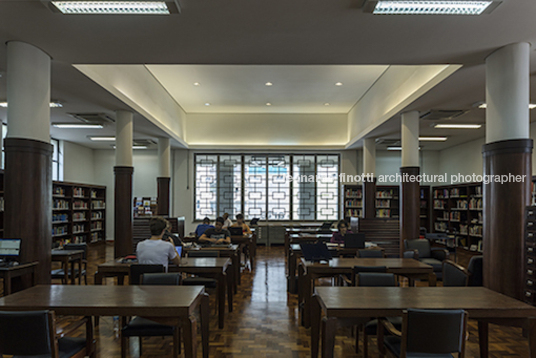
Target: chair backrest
[370, 253]
[454, 274]
[203, 253]
[136, 270]
[421, 245]
[76, 247]
[27, 333]
[475, 270]
[434, 331]
[376, 279]
[167, 279]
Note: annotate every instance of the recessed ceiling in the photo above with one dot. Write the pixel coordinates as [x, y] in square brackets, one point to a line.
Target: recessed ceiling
[243, 89]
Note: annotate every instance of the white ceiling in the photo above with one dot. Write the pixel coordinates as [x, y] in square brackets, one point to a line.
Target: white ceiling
[276, 32]
[242, 89]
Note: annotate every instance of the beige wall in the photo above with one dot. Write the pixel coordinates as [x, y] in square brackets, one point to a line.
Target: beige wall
[78, 164]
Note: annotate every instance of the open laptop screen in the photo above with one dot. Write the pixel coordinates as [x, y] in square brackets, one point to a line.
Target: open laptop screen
[9, 247]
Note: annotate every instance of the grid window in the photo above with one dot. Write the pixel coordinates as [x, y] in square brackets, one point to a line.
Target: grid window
[258, 186]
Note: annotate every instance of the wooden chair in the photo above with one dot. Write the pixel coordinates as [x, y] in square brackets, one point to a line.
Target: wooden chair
[430, 333]
[136, 270]
[60, 273]
[454, 274]
[34, 334]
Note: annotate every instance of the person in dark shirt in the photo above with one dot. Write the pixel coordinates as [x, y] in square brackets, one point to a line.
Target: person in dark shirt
[338, 237]
[218, 235]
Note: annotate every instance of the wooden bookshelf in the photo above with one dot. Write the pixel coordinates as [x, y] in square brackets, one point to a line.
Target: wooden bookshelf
[145, 206]
[387, 201]
[457, 209]
[353, 201]
[78, 213]
[425, 207]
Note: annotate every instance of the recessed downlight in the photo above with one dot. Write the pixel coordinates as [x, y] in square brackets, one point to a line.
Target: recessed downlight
[338, 84]
[326, 104]
[197, 84]
[268, 84]
[268, 104]
[207, 104]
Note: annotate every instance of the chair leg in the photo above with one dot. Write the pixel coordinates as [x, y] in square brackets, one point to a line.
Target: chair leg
[85, 279]
[176, 342]
[124, 345]
[357, 339]
[365, 344]
[140, 344]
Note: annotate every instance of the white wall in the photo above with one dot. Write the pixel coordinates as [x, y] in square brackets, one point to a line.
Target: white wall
[465, 159]
[78, 164]
[273, 130]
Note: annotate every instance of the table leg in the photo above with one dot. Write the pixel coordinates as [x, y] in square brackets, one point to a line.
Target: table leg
[190, 337]
[98, 278]
[205, 320]
[73, 276]
[221, 300]
[329, 328]
[80, 271]
[230, 285]
[251, 253]
[7, 284]
[307, 292]
[316, 316]
[236, 264]
[90, 342]
[121, 279]
[432, 280]
[483, 338]
[291, 272]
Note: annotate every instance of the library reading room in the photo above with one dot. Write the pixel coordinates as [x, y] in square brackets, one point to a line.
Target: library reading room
[267, 179]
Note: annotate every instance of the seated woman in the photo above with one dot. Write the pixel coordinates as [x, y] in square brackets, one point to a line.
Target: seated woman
[240, 223]
[338, 237]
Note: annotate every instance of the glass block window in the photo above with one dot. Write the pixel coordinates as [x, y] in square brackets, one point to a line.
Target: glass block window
[258, 185]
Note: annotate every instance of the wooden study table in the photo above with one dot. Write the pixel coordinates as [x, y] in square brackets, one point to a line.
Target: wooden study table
[231, 252]
[310, 271]
[247, 240]
[72, 257]
[9, 272]
[215, 267]
[481, 304]
[169, 305]
[297, 236]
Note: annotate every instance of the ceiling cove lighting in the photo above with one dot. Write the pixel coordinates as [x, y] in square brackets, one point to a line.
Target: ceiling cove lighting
[52, 104]
[397, 148]
[76, 125]
[125, 7]
[102, 139]
[431, 7]
[458, 126]
[135, 147]
[432, 139]
[484, 106]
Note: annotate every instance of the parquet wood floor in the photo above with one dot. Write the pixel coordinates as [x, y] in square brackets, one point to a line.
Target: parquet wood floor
[264, 322]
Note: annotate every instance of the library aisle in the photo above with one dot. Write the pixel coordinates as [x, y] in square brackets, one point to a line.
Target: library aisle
[265, 321]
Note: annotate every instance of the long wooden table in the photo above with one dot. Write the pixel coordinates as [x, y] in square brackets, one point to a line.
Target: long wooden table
[310, 271]
[9, 272]
[169, 305]
[482, 304]
[67, 257]
[231, 251]
[215, 267]
[249, 241]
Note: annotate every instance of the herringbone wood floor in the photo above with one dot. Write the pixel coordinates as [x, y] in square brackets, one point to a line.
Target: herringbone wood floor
[264, 322]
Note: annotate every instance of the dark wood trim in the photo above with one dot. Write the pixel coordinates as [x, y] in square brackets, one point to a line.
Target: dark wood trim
[409, 207]
[163, 184]
[369, 199]
[28, 202]
[123, 211]
[504, 207]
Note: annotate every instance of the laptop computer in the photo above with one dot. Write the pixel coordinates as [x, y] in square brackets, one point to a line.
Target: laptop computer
[179, 250]
[325, 228]
[315, 252]
[354, 241]
[235, 231]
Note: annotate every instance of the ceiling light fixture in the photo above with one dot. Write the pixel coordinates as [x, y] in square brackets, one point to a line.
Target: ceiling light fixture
[102, 139]
[338, 84]
[397, 148]
[439, 7]
[207, 104]
[268, 84]
[135, 147]
[432, 139]
[268, 104]
[326, 104]
[458, 126]
[76, 125]
[484, 106]
[116, 7]
[197, 84]
[53, 104]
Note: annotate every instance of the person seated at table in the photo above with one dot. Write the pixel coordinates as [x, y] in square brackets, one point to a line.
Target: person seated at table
[338, 237]
[175, 239]
[226, 221]
[155, 251]
[201, 228]
[218, 235]
[240, 223]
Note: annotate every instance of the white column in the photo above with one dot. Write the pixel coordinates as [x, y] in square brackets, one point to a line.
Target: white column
[124, 129]
[369, 156]
[164, 157]
[410, 139]
[507, 93]
[28, 92]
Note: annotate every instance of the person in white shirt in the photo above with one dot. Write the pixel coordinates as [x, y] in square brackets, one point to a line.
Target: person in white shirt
[227, 223]
[155, 251]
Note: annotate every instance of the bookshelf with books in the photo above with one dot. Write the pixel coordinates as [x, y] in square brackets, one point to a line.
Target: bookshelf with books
[457, 209]
[353, 201]
[78, 213]
[145, 206]
[425, 207]
[387, 201]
